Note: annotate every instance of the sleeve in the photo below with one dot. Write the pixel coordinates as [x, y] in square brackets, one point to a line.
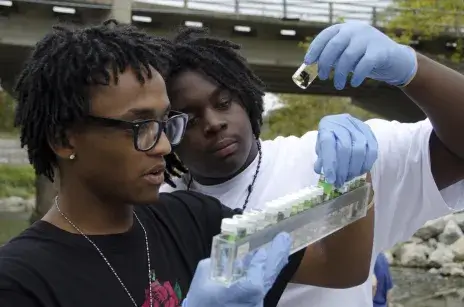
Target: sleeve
[388, 280]
[406, 195]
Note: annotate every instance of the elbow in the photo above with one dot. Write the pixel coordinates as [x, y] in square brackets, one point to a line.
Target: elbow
[352, 279]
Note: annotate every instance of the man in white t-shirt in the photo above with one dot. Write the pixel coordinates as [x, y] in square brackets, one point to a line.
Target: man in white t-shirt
[418, 170]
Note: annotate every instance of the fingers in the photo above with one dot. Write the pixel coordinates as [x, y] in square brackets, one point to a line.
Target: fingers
[331, 53]
[372, 148]
[256, 270]
[347, 62]
[318, 44]
[364, 67]
[344, 153]
[277, 257]
[327, 152]
[359, 150]
[279, 251]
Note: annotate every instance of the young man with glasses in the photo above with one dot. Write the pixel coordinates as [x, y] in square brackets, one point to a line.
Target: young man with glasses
[93, 111]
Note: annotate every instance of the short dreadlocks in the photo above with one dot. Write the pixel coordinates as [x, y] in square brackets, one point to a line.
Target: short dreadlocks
[53, 88]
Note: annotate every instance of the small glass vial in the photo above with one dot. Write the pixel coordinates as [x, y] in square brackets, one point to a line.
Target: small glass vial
[274, 213]
[318, 195]
[229, 229]
[259, 216]
[308, 198]
[247, 222]
[305, 75]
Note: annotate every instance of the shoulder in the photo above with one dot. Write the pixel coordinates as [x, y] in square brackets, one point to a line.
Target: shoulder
[180, 184]
[191, 201]
[21, 260]
[190, 213]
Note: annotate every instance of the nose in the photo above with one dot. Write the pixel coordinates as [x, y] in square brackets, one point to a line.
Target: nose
[162, 148]
[214, 123]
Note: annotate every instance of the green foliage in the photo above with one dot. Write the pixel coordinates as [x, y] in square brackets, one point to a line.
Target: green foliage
[7, 109]
[302, 113]
[407, 20]
[17, 180]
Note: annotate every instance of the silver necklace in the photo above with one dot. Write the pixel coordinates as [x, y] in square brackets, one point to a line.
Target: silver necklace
[106, 260]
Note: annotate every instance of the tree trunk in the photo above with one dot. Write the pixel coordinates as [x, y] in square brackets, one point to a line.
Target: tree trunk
[45, 192]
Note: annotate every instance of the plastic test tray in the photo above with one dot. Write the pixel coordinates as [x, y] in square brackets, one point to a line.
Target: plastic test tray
[305, 228]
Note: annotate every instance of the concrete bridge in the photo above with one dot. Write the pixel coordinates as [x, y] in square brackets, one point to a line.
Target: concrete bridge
[268, 30]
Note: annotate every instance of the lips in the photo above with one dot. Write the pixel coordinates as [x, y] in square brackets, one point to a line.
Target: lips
[223, 144]
[225, 148]
[155, 175]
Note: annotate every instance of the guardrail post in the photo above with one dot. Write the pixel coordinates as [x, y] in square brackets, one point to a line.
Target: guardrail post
[331, 11]
[374, 16]
[284, 8]
[121, 10]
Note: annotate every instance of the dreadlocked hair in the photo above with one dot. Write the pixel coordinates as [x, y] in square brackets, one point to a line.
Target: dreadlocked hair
[53, 89]
[219, 59]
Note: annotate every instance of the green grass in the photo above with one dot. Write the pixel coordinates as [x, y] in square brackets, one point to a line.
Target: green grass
[9, 135]
[17, 180]
[11, 227]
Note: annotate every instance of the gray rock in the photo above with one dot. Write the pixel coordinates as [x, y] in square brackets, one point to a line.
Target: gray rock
[452, 269]
[459, 218]
[442, 255]
[431, 229]
[413, 255]
[458, 249]
[451, 233]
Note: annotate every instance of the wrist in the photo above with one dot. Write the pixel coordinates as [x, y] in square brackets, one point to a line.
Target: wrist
[410, 56]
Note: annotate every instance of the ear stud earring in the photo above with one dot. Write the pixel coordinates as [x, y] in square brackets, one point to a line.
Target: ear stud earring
[72, 157]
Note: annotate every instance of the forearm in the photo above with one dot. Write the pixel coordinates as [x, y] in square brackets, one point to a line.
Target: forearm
[439, 92]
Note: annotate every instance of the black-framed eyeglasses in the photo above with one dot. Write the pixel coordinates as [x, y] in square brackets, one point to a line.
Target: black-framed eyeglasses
[147, 132]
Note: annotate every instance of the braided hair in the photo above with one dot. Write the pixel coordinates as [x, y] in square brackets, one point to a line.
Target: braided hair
[219, 59]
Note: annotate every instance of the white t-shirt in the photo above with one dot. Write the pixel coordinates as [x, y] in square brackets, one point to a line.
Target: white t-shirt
[406, 195]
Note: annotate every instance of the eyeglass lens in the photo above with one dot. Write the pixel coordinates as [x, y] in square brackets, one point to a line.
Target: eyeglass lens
[149, 132]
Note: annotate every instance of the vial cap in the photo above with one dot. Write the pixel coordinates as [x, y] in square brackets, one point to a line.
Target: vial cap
[229, 224]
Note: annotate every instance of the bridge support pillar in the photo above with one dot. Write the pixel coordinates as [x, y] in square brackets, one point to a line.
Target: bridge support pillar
[121, 10]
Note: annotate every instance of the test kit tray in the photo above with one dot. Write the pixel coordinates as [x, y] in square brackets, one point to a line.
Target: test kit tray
[305, 227]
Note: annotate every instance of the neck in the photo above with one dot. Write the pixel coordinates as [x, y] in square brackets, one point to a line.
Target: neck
[92, 214]
[213, 181]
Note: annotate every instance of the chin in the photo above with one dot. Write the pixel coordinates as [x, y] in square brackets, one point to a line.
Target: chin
[148, 198]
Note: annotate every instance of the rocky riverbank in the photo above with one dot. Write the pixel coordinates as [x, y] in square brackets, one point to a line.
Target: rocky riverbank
[437, 247]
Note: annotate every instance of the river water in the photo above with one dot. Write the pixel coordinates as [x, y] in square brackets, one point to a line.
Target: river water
[418, 288]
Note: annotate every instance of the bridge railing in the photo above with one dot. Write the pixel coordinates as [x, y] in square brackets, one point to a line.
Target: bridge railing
[316, 11]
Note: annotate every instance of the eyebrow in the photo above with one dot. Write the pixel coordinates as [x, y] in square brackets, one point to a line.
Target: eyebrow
[213, 95]
[148, 113]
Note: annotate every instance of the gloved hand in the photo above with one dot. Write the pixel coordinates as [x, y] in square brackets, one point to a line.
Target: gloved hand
[363, 50]
[249, 291]
[346, 147]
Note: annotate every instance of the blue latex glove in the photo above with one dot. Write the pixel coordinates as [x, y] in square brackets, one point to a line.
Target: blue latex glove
[363, 50]
[249, 291]
[346, 147]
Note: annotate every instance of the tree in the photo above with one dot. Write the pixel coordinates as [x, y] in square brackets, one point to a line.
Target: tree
[409, 20]
[301, 113]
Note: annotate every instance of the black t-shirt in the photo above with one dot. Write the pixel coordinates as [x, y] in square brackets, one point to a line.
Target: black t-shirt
[48, 267]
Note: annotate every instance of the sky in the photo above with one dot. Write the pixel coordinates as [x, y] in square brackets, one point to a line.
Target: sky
[312, 10]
